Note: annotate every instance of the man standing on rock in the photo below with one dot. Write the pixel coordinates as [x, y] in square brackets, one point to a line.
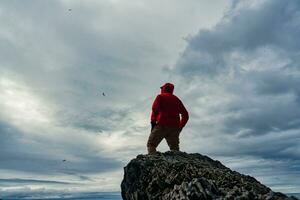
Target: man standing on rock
[165, 119]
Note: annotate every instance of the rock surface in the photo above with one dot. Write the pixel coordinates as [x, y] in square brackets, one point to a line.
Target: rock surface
[183, 176]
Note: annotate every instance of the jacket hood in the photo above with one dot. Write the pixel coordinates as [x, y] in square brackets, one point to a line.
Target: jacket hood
[167, 88]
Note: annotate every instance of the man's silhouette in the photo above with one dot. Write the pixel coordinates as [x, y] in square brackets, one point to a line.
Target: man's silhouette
[165, 119]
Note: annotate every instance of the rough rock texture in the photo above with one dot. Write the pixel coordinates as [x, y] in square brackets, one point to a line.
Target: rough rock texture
[183, 176]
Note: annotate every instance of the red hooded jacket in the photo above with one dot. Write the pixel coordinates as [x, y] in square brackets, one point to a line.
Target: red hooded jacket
[167, 107]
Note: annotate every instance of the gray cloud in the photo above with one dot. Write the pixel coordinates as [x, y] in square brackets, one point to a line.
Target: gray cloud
[40, 158]
[29, 181]
[272, 24]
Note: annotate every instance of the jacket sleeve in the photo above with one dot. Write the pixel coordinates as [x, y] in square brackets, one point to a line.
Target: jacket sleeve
[184, 114]
[155, 108]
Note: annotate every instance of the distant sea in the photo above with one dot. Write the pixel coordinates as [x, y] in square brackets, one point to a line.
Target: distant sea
[82, 196]
[78, 196]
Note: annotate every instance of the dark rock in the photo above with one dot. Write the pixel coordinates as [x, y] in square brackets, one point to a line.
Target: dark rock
[183, 176]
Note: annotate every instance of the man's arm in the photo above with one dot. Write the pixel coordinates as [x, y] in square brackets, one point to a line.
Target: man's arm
[184, 115]
[155, 110]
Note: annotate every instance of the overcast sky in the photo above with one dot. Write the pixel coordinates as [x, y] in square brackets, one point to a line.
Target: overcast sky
[234, 64]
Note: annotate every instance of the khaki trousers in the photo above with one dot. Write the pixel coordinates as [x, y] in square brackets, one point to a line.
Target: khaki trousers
[171, 134]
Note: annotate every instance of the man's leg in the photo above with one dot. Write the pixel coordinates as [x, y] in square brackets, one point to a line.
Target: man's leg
[155, 137]
[172, 138]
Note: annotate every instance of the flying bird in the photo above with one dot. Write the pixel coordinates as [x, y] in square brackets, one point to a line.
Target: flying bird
[64, 160]
[70, 9]
[103, 94]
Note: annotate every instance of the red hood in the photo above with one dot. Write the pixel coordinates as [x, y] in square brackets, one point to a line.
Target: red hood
[167, 88]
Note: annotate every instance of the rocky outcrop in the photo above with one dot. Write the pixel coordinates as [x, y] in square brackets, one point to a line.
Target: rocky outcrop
[183, 176]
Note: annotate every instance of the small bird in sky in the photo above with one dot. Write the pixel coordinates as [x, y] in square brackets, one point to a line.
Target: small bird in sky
[70, 9]
[103, 94]
[64, 160]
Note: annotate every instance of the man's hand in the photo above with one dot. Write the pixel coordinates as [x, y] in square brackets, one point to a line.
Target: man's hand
[153, 124]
